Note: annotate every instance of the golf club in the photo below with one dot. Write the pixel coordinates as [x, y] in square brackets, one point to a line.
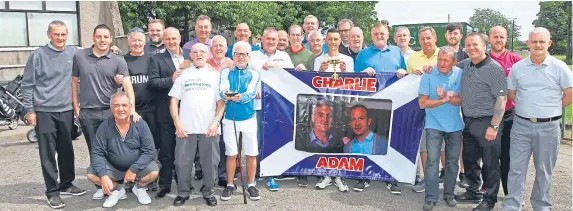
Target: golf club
[238, 139]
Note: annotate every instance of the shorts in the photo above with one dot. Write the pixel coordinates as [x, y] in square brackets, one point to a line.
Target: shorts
[249, 129]
[423, 143]
[117, 175]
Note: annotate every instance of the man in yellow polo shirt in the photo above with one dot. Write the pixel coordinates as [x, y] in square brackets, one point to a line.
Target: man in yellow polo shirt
[427, 56]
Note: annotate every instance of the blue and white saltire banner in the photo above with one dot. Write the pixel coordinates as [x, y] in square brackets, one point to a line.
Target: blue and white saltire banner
[280, 89]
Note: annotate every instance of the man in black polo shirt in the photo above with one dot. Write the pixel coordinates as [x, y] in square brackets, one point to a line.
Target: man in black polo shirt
[355, 43]
[155, 30]
[483, 99]
[96, 68]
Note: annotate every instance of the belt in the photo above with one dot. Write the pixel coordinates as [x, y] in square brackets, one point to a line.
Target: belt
[541, 119]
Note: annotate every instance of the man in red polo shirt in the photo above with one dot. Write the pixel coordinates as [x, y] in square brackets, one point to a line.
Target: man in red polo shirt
[498, 52]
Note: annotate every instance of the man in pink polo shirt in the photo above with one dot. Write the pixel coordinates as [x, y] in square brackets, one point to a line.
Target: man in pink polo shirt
[498, 52]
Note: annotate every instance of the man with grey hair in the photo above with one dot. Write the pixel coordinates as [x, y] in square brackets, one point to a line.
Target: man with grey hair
[484, 94]
[316, 41]
[540, 86]
[402, 39]
[218, 51]
[439, 97]
[203, 30]
[311, 25]
[123, 151]
[282, 42]
[198, 124]
[300, 56]
[343, 28]
[47, 99]
[355, 43]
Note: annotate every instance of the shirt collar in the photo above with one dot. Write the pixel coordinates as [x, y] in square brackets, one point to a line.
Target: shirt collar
[54, 48]
[435, 71]
[548, 58]
[435, 53]
[482, 62]
[208, 41]
[315, 140]
[375, 49]
[171, 53]
[369, 138]
[153, 46]
[108, 54]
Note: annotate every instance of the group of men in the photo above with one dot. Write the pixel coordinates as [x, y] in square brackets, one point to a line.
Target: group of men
[158, 112]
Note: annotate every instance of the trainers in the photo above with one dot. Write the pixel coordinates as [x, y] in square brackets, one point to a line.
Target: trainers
[429, 206]
[141, 194]
[73, 190]
[115, 196]
[451, 202]
[302, 181]
[253, 193]
[361, 185]
[420, 187]
[56, 202]
[442, 173]
[463, 183]
[394, 189]
[323, 182]
[228, 192]
[98, 194]
[341, 184]
[272, 184]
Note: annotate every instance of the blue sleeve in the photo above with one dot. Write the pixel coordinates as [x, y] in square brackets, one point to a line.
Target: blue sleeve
[230, 52]
[457, 88]
[402, 61]
[147, 147]
[424, 88]
[359, 64]
[252, 88]
[99, 149]
[383, 147]
[348, 147]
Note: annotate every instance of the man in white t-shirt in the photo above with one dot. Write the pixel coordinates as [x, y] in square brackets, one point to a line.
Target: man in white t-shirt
[268, 58]
[323, 62]
[197, 124]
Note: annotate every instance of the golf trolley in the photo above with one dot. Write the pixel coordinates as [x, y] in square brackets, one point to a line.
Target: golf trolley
[11, 106]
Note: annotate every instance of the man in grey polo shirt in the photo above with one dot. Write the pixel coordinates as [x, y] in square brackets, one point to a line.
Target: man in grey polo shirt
[540, 86]
[484, 94]
[96, 68]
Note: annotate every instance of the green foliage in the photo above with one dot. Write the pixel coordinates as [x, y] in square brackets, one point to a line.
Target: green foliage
[258, 15]
[556, 17]
[484, 19]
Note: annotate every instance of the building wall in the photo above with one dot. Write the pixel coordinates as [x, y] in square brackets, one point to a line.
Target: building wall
[91, 14]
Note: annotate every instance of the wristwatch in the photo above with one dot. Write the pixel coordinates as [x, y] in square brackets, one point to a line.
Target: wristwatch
[495, 127]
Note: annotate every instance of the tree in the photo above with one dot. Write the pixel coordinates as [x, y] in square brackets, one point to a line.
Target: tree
[485, 19]
[258, 15]
[556, 17]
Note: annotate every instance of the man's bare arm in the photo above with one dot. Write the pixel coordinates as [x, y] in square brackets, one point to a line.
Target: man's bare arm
[174, 110]
[128, 88]
[220, 110]
[498, 110]
[567, 95]
[426, 102]
[75, 95]
[511, 94]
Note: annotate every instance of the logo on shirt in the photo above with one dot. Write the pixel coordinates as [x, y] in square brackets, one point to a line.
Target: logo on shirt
[139, 79]
[343, 163]
[356, 84]
[196, 84]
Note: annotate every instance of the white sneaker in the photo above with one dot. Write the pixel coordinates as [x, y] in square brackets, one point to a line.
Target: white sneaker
[98, 194]
[323, 183]
[341, 184]
[115, 196]
[141, 194]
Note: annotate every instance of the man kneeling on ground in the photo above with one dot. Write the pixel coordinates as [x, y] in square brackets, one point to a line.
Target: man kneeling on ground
[122, 152]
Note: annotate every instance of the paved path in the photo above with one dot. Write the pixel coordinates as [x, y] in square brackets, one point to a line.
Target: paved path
[22, 188]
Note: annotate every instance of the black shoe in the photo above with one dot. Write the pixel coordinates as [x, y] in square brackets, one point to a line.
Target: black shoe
[152, 186]
[302, 181]
[361, 185]
[199, 175]
[463, 183]
[442, 173]
[73, 190]
[162, 192]
[128, 186]
[227, 192]
[222, 182]
[429, 206]
[253, 193]
[469, 198]
[450, 202]
[485, 206]
[394, 188]
[56, 202]
[211, 201]
[201, 189]
[180, 201]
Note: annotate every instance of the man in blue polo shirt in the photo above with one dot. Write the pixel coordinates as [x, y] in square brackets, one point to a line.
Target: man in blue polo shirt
[380, 57]
[439, 96]
[242, 33]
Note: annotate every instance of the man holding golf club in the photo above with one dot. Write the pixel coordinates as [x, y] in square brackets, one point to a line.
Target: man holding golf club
[238, 88]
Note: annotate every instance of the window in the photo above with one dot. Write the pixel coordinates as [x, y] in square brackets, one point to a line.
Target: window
[26, 22]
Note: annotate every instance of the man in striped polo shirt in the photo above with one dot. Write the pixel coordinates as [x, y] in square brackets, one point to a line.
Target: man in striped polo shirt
[484, 95]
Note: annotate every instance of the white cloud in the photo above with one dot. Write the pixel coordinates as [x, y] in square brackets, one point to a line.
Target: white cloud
[410, 12]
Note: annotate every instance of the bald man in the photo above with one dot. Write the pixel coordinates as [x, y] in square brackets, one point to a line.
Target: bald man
[164, 69]
[242, 33]
[282, 43]
[505, 58]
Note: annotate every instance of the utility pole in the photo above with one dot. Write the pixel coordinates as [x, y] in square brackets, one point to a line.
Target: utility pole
[448, 17]
[512, 33]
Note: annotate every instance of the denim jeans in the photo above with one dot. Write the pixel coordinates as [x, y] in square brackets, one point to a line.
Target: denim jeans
[453, 147]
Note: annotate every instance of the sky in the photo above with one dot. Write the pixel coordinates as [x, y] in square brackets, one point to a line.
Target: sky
[419, 11]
